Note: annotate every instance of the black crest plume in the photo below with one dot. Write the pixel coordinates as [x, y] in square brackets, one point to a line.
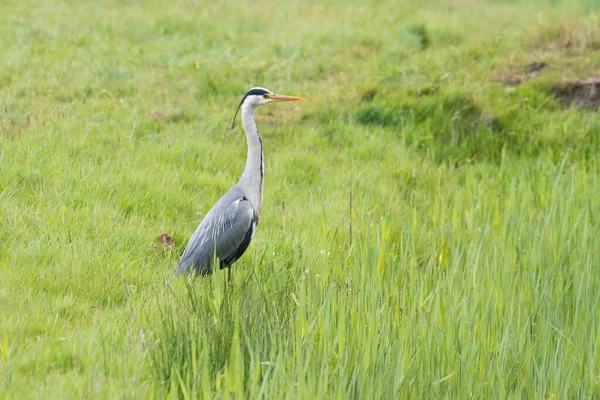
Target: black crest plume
[251, 92]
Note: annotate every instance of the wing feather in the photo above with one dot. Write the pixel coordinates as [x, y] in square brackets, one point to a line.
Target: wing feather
[221, 233]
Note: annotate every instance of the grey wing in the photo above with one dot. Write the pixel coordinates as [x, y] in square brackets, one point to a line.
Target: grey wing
[224, 232]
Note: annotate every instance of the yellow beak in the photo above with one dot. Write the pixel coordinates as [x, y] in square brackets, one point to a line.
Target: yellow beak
[282, 97]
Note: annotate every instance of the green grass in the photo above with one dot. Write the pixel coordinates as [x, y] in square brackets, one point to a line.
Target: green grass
[468, 265]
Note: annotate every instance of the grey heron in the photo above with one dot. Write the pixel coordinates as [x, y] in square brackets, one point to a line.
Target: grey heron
[227, 229]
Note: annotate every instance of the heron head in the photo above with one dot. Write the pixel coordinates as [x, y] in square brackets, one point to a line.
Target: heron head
[258, 96]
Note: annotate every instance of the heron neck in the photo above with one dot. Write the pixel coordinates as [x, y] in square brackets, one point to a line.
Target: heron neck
[251, 181]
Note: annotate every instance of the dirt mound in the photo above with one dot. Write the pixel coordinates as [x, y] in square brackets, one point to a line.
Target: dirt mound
[582, 94]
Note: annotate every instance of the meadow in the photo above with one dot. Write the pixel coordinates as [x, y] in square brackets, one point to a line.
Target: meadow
[431, 223]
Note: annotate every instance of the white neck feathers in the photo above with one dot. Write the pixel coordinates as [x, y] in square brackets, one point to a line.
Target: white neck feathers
[251, 180]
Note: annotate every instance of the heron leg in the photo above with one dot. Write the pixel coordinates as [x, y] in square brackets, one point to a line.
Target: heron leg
[229, 275]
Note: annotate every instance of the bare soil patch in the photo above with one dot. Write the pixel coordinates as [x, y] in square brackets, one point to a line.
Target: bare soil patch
[582, 94]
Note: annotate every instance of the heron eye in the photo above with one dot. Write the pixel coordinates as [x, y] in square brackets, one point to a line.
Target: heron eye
[265, 95]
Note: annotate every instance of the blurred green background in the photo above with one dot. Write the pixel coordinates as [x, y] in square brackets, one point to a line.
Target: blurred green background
[466, 265]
